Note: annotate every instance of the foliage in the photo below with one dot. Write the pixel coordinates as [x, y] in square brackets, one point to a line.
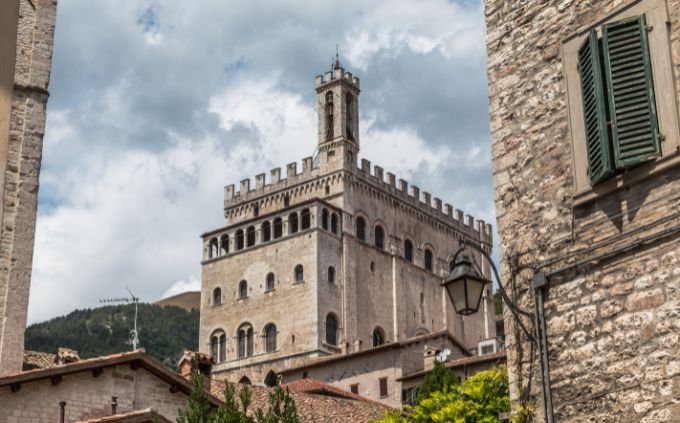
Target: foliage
[232, 410]
[439, 378]
[165, 332]
[479, 399]
[498, 302]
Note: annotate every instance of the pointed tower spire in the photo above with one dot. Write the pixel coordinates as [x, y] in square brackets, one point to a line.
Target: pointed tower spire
[337, 57]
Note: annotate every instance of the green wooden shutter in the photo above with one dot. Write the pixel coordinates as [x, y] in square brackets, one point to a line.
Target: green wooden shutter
[594, 110]
[635, 130]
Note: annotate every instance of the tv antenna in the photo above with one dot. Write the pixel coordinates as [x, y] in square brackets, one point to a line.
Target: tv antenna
[134, 338]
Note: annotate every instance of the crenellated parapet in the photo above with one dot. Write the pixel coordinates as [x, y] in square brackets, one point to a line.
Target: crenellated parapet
[338, 74]
[423, 201]
[248, 191]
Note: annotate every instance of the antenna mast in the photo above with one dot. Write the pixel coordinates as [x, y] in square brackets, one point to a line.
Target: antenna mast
[134, 335]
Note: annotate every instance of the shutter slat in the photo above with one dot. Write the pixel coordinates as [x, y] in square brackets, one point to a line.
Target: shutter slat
[630, 90]
[594, 110]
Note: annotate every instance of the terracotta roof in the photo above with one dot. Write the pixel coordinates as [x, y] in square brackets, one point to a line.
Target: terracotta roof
[316, 402]
[461, 362]
[139, 416]
[138, 357]
[38, 360]
[391, 345]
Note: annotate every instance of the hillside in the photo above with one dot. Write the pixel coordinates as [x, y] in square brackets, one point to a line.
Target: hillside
[163, 331]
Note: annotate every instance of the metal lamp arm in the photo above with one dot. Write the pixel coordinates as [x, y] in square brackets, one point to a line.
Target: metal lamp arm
[514, 309]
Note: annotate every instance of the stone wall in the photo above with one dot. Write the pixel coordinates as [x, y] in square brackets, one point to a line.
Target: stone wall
[612, 308]
[87, 396]
[20, 156]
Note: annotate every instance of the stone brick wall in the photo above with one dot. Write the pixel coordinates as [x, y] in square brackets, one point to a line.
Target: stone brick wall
[89, 397]
[20, 170]
[612, 308]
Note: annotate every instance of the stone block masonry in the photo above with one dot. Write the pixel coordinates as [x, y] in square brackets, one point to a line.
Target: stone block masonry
[25, 57]
[611, 253]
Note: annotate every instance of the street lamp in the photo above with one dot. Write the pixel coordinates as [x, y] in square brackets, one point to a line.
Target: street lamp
[465, 285]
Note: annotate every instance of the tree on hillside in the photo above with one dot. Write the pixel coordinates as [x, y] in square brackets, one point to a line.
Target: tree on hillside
[232, 410]
[480, 399]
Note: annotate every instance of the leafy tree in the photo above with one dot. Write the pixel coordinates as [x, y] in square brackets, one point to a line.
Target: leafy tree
[198, 410]
[439, 378]
[498, 302]
[479, 399]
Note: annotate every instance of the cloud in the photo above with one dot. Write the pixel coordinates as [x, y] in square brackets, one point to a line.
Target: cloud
[162, 104]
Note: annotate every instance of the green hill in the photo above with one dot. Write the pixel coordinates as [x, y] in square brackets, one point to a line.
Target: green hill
[163, 331]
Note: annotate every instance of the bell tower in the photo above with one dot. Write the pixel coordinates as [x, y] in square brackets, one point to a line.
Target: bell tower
[337, 93]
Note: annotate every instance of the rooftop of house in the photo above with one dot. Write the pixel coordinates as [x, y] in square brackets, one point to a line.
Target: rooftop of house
[312, 362]
[495, 358]
[71, 365]
[140, 416]
[316, 401]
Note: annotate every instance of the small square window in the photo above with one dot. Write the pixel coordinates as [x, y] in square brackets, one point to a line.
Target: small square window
[354, 388]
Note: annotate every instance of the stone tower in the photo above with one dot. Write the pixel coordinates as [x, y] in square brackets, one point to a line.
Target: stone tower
[26, 35]
[333, 258]
[337, 94]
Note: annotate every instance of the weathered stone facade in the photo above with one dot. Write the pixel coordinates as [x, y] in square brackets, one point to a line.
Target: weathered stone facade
[611, 253]
[26, 34]
[312, 218]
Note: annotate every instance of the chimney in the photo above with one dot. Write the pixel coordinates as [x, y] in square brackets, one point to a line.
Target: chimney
[205, 363]
[66, 356]
[429, 356]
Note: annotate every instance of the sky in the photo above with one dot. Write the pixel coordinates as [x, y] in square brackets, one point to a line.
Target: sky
[155, 106]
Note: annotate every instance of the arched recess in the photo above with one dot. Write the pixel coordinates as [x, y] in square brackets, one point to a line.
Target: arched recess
[419, 332]
[332, 329]
[378, 337]
[360, 228]
[244, 381]
[217, 296]
[212, 248]
[271, 379]
[408, 250]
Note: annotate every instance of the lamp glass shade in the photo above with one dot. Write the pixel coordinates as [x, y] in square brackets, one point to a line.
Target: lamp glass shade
[465, 286]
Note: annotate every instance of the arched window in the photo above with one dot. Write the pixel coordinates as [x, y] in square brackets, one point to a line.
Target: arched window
[243, 289]
[361, 228]
[214, 346]
[379, 237]
[378, 337]
[250, 236]
[271, 282]
[299, 273]
[331, 330]
[239, 239]
[270, 338]
[244, 340]
[224, 245]
[212, 248]
[324, 219]
[331, 274]
[349, 127]
[334, 223]
[266, 230]
[278, 227]
[305, 217]
[271, 379]
[328, 111]
[292, 223]
[217, 296]
[223, 347]
[408, 250]
[428, 260]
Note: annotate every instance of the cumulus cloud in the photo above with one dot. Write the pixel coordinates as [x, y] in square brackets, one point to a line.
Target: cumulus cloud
[156, 105]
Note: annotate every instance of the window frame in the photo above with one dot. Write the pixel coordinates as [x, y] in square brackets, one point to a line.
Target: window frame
[656, 15]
